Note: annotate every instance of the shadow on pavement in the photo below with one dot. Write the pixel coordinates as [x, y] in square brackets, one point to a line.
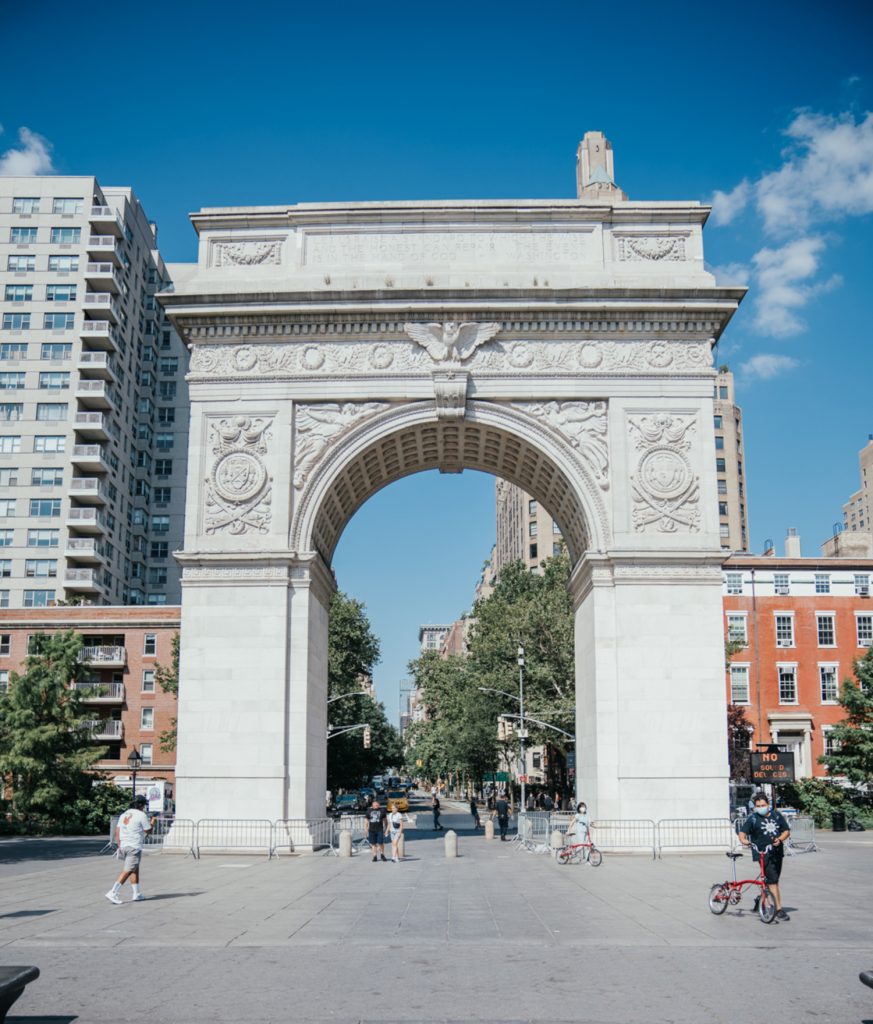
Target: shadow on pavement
[19, 850]
[41, 1020]
[171, 896]
[29, 913]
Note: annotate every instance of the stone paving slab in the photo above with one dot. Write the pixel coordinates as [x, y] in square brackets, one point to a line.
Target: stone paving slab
[496, 935]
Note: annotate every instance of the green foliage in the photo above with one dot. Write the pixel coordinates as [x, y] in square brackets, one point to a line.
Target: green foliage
[818, 798]
[45, 745]
[853, 736]
[352, 654]
[738, 743]
[168, 678]
[89, 814]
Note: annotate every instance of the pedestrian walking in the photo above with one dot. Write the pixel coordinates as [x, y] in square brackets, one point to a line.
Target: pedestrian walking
[501, 809]
[130, 832]
[531, 802]
[395, 831]
[377, 820]
[474, 810]
[767, 828]
[435, 807]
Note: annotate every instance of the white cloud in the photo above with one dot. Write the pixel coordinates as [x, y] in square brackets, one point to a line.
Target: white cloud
[766, 366]
[727, 205]
[33, 157]
[783, 277]
[728, 274]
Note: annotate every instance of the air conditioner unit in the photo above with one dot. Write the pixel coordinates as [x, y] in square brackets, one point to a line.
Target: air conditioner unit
[784, 643]
[782, 591]
[863, 591]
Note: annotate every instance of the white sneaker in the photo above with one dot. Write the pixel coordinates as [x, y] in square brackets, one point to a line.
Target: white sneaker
[395, 860]
[113, 897]
[139, 896]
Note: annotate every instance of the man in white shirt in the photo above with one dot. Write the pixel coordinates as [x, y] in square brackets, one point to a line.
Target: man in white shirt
[130, 833]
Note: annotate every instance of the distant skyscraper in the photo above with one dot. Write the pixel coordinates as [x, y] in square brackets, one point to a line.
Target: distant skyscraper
[856, 538]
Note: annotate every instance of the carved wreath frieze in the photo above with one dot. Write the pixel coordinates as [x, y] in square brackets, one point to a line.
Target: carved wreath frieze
[583, 425]
[666, 490]
[238, 488]
[246, 254]
[319, 426]
[651, 248]
[296, 359]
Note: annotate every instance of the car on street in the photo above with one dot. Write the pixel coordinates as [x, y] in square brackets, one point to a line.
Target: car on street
[346, 803]
[398, 798]
[367, 794]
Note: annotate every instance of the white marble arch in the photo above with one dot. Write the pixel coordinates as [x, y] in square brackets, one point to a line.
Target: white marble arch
[336, 349]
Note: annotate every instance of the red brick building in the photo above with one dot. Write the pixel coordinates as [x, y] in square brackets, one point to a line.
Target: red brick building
[122, 644]
[802, 623]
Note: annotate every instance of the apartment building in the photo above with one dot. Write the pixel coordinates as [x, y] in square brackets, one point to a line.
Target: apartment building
[526, 531]
[800, 623]
[430, 638]
[93, 402]
[855, 539]
[121, 647]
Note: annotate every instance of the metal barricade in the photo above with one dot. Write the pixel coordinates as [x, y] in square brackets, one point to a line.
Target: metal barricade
[802, 838]
[234, 835]
[293, 835]
[533, 828]
[154, 840]
[620, 834]
[357, 825]
[110, 841]
[560, 821]
[695, 833]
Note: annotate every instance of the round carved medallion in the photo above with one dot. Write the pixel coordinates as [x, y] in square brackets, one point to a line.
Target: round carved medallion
[245, 358]
[590, 357]
[659, 355]
[238, 476]
[312, 358]
[381, 357]
[665, 473]
[520, 355]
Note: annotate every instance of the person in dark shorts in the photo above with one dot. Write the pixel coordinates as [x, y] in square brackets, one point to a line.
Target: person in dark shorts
[435, 806]
[501, 809]
[474, 810]
[377, 822]
[765, 827]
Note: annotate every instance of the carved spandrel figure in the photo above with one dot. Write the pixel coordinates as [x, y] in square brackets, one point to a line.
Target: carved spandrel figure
[318, 426]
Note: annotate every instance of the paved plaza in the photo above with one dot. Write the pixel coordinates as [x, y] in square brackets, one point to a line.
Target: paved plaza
[496, 935]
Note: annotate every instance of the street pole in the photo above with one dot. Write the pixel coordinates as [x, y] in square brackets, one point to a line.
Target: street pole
[521, 731]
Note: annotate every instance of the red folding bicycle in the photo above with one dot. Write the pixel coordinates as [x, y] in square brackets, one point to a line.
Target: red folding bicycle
[577, 852]
[731, 892]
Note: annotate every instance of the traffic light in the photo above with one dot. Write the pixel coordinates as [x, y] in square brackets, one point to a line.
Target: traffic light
[501, 728]
[367, 737]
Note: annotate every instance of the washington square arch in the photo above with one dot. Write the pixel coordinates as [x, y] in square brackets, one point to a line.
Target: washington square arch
[564, 345]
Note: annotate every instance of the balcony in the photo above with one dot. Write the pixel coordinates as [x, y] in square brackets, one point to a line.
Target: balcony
[83, 549]
[88, 489]
[89, 457]
[82, 579]
[105, 219]
[100, 334]
[86, 520]
[101, 305]
[107, 729]
[104, 247]
[100, 693]
[97, 364]
[92, 425]
[95, 394]
[103, 656]
[102, 277]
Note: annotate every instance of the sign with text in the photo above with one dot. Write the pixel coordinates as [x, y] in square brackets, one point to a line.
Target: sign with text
[773, 766]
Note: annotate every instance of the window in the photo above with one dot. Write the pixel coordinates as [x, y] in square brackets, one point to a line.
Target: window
[52, 411]
[54, 380]
[58, 321]
[16, 321]
[716, 421]
[739, 684]
[167, 414]
[60, 292]
[733, 582]
[164, 442]
[25, 204]
[9, 476]
[150, 644]
[9, 445]
[38, 598]
[556, 530]
[822, 583]
[737, 633]
[19, 293]
[167, 390]
[532, 529]
[11, 380]
[161, 524]
[781, 584]
[723, 393]
[4, 598]
[13, 350]
[169, 365]
[41, 567]
[56, 350]
[7, 508]
[826, 630]
[829, 687]
[722, 508]
[17, 264]
[784, 630]
[65, 236]
[864, 627]
[164, 467]
[157, 576]
[724, 531]
[719, 466]
[161, 495]
[532, 551]
[531, 508]
[6, 538]
[66, 206]
[4, 677]
[5, 644]
[47, 476]
[719, 443]
[65, 264]
[22, 236]
[5, 566]
[148, 680]
[147, 718]
[831, 745]
[42, 538]
[45, 507]
[49, 443]
[862, 584]
[159, 549]
[787, 684]
[146, 752]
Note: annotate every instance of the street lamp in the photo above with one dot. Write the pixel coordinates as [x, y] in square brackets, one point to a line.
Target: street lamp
[134, 762]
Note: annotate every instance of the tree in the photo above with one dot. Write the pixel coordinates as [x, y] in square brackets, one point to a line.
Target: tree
[738, 743]
[852, 738]
[168, 678]
[45, 742]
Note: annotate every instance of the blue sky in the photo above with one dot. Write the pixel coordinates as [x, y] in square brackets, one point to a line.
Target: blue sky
[762, 107]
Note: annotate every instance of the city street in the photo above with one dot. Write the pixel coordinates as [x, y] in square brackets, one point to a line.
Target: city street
[496, 935]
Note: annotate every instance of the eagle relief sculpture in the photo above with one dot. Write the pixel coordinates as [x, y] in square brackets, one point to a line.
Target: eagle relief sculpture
[451, 342]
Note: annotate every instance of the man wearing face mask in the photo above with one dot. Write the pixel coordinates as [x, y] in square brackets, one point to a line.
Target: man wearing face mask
[763, 828]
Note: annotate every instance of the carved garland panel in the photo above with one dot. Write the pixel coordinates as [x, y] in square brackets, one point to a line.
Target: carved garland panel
[665, 489]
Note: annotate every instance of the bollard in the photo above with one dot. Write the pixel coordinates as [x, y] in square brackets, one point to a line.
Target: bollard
[557, 840]
[345, 844]
[489, 829]
[451, 843]
[401, 847]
